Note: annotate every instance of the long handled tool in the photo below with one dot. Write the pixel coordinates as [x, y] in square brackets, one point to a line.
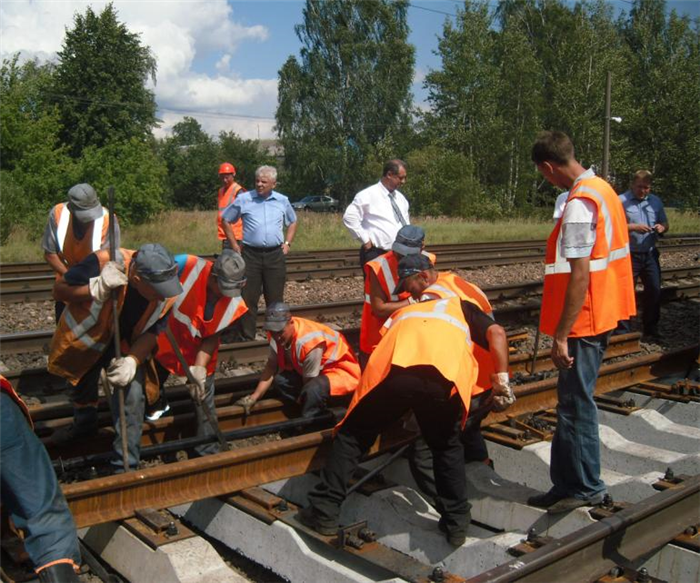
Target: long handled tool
[117, 334]
[190, 379]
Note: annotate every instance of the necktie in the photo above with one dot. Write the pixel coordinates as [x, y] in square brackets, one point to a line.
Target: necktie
[397, 211]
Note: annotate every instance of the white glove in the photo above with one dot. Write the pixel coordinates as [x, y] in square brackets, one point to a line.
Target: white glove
[247, 403]
[503, 396]
[122, 370]
[111, 277]
[197, 389]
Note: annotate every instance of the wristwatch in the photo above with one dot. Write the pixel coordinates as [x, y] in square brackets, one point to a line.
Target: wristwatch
[287, 243]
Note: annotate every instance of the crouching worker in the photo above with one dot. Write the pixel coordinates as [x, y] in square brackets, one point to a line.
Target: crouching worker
[316, 366]
[83, 344]
[424, 363]
[31, 494]
[210, 302]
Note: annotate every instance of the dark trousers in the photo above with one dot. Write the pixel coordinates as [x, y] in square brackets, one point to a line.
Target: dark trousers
[30, 491]
[266, 272]
[314, 396]
[368, 255]
[420, 457]
[426, 392]
[647, 267]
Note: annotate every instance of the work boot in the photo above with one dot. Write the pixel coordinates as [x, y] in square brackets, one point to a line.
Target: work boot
[59, 573]
[455, 538]
[308, 517]
[71, 433]
[544, 500]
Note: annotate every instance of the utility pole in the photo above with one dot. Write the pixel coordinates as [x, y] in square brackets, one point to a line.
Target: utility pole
[606, 135]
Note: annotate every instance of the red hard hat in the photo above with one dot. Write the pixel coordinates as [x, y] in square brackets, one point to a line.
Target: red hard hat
[227, 168]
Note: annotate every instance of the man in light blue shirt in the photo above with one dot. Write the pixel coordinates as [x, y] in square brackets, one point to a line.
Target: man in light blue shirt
[646, 221]
[264, 213]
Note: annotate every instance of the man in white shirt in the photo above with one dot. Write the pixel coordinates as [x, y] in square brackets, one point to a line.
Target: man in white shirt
[560, 205]
[378, 212]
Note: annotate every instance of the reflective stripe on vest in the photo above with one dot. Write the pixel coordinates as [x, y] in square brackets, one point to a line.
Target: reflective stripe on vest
[190, 280]
[388, 277]
[64, 222]
[301, 342]
[438, 313]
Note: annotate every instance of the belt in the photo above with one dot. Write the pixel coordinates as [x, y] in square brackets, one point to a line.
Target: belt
[262, 249]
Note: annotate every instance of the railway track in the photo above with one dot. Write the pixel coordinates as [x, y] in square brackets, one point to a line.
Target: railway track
[34, 282]
[629, 531]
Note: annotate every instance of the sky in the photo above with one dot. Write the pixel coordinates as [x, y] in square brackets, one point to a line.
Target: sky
[218, 60]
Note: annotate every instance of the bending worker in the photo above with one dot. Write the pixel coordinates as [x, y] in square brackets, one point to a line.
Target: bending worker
[31, 494]
[381, 277]
[209, 303]
[317, 368]
[424, 363]
[83, 343]
[74, 230]
[492, 391]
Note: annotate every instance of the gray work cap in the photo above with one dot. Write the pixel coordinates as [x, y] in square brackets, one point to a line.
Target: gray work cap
[276, 316]
[229, 269]
[83, 203]
[156, 265]
[409, 240]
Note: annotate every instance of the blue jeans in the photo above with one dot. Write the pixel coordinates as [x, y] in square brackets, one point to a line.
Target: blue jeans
[134, 410]
[575, 465]
[31, 493]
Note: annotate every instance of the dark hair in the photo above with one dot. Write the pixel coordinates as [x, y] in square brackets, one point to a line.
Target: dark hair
[552, 147]
[393, 166]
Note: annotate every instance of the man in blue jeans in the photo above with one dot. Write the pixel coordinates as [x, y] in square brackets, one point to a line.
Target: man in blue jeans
[646, 221]
[588, 288]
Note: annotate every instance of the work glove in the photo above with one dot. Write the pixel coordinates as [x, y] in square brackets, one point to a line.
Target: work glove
[503, 396]
[122, 370]
[247, 403]
[197, 389]
[111, 277]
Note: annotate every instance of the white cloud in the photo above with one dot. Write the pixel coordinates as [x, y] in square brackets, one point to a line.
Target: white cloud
[179, 34]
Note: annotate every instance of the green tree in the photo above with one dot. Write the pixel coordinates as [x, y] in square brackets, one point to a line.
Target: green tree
[100, 82]
[349, 91]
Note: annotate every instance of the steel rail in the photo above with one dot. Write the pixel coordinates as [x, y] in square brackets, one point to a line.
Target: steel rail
[117, 497]
[620, 539]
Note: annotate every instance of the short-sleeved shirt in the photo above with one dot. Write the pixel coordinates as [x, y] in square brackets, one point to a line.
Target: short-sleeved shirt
[579, 222]
[264, 218]
[649, 211]
[134, 303]
[311, 367]
[49, 240]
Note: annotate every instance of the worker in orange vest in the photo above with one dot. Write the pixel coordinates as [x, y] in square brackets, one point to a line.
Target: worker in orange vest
[424, 363]
[380, 281]
[316, 366]
[419, 277]
[209, 303]
[75, 229]
[588, 288]
[83, 344]
[228, 233]
[32, 496]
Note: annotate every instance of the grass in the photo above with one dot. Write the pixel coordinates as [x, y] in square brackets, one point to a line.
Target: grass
[195, 232]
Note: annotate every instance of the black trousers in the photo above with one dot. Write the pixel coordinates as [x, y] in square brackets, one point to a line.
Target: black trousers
[420, 457]
[425, 391]
[266, 272]
[372, 253]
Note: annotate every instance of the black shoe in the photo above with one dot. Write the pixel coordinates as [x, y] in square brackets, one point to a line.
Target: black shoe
[70, 433]
[544, 500]
[566, 505]
[59, 573]
[307, 516]
[456, 539]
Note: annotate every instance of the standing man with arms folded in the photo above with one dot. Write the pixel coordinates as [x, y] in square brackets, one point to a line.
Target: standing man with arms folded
[265, 213]
[209, 303]
[588, 288]
[228, 232]
[74, 230]
[83, 344]
[646, 221]
[377, 213]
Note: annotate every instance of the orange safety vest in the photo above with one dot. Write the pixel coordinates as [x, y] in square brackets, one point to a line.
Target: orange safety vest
[72, 250]
[225, 199]
[610, 295]
[338, 362]
[7, 387]
[86, 328]
[186, 320]
[427, 333]
[386, 268]
[450, 285]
